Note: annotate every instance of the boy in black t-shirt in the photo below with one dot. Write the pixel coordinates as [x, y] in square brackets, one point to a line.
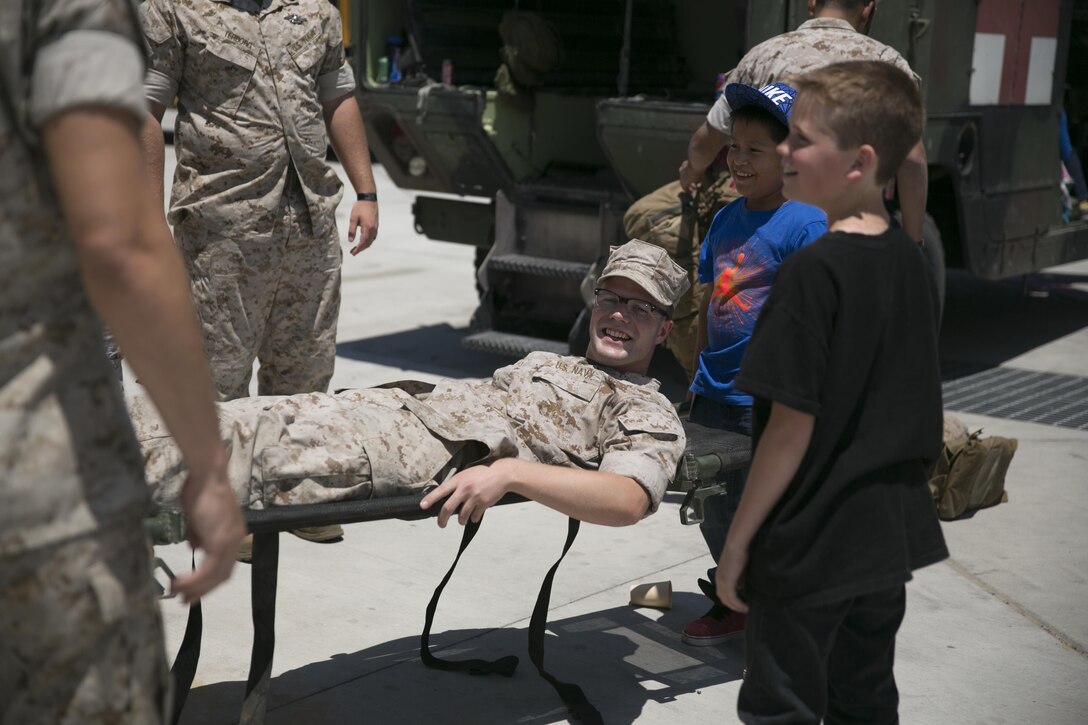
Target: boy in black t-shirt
[843, 369]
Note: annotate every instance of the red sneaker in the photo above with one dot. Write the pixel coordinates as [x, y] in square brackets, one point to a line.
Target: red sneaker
[714, 627]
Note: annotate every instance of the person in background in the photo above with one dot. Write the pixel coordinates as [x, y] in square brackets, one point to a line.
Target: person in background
[746, 242]
[1076, 171]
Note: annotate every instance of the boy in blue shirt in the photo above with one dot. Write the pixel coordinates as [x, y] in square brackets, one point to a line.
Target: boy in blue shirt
[844, 370]
[746, 242]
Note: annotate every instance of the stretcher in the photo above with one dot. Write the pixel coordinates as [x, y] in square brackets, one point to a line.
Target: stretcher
[709, 455]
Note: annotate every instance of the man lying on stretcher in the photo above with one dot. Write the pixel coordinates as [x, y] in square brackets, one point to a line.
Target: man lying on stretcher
[590, 437]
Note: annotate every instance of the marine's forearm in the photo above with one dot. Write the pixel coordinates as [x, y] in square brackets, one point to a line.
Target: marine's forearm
[705, 145]
[348, 138]
[912, 181]
[596, 497]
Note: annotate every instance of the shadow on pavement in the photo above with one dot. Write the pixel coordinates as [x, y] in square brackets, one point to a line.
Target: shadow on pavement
[988, 322]
[435, 349]
[621, 659]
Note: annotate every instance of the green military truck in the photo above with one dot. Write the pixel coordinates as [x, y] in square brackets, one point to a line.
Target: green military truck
[555, 115]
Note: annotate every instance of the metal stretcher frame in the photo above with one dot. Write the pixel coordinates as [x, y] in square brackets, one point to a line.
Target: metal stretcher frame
[709, 454]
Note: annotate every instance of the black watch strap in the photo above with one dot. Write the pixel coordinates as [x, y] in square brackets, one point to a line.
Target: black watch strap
[367, 196]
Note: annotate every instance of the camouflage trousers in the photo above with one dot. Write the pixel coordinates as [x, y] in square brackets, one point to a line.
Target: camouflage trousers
[81, 639]
[271, 295]
[304, 449]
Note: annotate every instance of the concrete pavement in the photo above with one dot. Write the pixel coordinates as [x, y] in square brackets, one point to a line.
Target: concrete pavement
[997, 634]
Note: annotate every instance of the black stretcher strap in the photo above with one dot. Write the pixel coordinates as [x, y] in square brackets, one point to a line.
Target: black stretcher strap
[573, 697]
[504, 666]
[266, 556]
[571, 694]
[184, 669]
[264, 524]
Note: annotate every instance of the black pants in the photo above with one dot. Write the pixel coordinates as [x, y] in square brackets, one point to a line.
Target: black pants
[830, 661]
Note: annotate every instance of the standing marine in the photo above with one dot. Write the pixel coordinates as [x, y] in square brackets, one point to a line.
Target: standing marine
[82, 240]
[836, 32]
[262, 87]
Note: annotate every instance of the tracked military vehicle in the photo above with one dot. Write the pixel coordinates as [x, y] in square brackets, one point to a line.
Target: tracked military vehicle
[528, 128]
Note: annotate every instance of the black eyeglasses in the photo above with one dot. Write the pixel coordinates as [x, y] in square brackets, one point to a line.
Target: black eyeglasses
[641, 310]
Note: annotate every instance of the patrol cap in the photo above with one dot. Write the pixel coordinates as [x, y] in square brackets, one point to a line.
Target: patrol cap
[774, 98]
[651, 268]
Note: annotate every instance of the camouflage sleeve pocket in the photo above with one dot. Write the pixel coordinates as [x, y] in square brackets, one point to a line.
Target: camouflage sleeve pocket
[156, 28]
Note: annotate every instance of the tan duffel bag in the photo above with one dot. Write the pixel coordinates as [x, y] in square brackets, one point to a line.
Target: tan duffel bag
[970, 474]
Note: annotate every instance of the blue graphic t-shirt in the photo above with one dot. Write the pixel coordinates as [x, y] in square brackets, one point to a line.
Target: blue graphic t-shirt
[739, 259]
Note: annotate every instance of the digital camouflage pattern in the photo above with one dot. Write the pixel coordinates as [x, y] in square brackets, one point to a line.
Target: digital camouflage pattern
[316, 448]
[68, 461]
[253, 200]
[651, 268]
[277, 299]
[80, 639]
[81, 634]
[815, 43]
[249, 89]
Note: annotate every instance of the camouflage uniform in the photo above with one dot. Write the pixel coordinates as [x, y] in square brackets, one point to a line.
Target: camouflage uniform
[316, 448]
[253, 201]
[815, 43]
[80, 636]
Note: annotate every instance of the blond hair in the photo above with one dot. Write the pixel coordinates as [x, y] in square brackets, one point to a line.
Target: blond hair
[865, 102]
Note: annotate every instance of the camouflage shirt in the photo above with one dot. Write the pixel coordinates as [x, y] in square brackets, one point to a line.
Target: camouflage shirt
[815, 43]
[250, 88]
[69, 463]
[564, 411]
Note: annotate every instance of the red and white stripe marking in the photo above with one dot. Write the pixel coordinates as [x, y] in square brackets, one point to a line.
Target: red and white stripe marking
[1016, 46]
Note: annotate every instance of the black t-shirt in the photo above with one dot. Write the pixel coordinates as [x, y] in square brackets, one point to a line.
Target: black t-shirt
[849, 335]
